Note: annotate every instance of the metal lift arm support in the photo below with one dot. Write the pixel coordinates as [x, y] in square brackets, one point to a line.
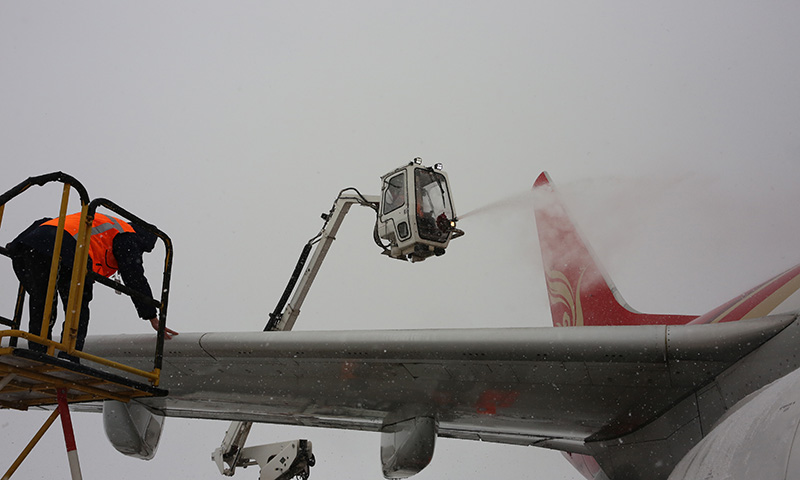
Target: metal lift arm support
[325, 239]
[232, 452]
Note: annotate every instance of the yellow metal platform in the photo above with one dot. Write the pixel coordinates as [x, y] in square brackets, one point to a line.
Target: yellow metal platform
[29, 379]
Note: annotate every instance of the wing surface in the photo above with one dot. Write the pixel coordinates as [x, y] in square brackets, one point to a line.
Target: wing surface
[532, 386]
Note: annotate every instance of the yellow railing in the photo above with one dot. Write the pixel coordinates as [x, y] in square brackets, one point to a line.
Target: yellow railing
[80, 275]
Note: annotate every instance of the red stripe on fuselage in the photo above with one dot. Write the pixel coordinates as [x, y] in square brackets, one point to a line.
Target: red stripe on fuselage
[763, 295]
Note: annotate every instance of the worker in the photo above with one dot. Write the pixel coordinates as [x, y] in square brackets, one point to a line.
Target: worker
[114, 246]
[426, 224]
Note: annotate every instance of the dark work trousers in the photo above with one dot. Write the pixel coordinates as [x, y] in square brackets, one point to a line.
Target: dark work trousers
[33, 271]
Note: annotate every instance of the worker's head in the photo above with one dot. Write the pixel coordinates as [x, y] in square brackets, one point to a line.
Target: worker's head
[146, 238]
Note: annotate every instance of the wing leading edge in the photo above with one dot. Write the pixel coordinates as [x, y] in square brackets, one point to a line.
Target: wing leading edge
[531, 386]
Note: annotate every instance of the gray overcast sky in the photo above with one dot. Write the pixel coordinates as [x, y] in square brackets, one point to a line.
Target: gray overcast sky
[673, 128]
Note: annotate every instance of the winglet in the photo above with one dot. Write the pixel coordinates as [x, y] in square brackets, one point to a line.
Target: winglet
[580, 291]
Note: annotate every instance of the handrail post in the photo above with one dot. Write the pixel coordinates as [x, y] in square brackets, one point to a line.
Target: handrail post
[51, 283]
[18, 307]
[78, 281]
[162, 311]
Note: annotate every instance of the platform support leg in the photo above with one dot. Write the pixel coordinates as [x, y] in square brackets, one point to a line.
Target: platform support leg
[31, 444]
[69, 435]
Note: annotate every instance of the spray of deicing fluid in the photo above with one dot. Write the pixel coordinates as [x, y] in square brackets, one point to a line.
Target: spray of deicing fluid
[518, 201]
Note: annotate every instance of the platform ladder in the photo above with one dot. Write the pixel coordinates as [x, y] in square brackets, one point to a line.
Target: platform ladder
[42, 379]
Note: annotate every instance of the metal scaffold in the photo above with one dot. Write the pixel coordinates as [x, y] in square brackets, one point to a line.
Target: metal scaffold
[61, 374]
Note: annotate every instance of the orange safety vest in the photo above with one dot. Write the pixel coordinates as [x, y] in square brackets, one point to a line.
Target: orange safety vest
[104, 229]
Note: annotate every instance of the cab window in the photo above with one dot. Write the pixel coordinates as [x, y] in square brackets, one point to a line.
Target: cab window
[394, 196]
[432, 204]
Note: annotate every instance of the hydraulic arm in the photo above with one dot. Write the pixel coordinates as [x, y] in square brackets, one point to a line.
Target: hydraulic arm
[231, 453]
[416, 218]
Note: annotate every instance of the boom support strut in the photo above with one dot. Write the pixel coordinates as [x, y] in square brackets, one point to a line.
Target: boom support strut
[231, 453]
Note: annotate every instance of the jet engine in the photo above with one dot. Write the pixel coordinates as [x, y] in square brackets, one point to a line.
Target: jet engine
[407, 446]
[132, 429]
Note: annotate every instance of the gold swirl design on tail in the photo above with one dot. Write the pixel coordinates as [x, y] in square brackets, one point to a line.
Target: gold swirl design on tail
[561, 292]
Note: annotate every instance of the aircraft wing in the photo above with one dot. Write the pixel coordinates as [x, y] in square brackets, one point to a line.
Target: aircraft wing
[552, 387]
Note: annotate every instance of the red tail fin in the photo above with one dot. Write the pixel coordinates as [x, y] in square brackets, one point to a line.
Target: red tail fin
[580, 292]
